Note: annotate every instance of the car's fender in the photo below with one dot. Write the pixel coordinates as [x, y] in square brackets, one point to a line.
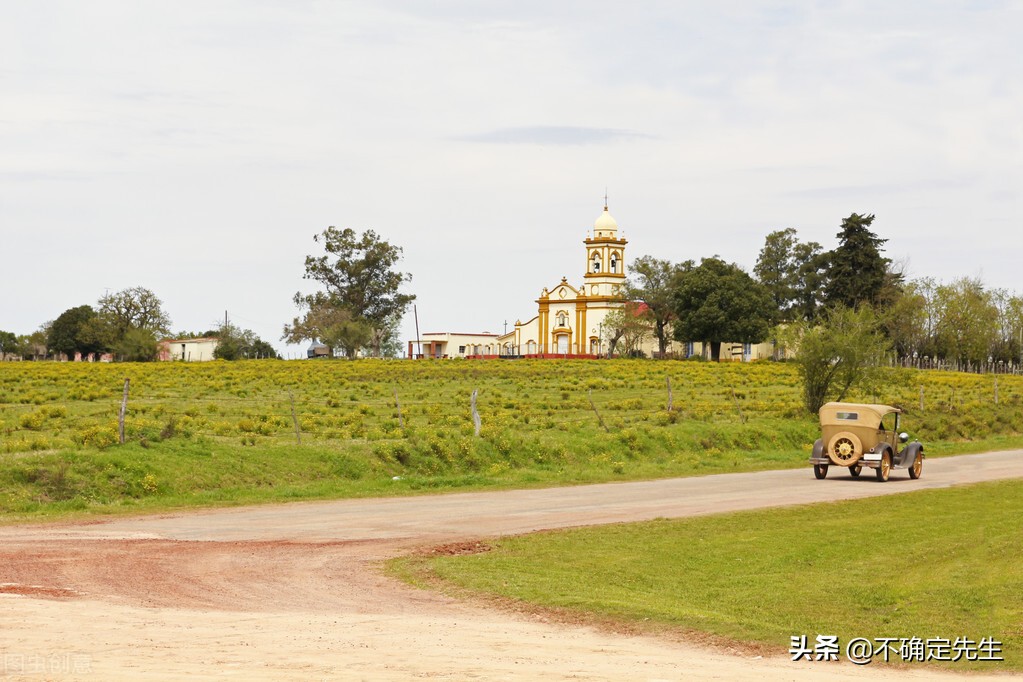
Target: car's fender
[818, 456]
[909, 453]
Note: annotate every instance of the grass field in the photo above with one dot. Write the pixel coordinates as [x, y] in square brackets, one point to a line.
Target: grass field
[225, 433]
[931, 564]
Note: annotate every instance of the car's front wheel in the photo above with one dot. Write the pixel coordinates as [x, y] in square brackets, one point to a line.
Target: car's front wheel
[820, 470]
[918, 466]
[855, 470]
[885, 469]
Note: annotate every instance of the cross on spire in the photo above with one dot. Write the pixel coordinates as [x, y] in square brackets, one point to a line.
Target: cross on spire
[605, 198]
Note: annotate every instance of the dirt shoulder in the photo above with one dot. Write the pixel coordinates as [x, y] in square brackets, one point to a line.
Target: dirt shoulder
[296, 591]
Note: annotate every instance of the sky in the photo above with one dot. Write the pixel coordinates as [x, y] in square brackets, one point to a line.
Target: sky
[195, 148]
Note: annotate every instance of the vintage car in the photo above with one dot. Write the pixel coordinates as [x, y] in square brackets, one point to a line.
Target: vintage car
[854, 435]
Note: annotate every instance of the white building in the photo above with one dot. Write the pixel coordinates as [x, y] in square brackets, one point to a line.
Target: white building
[188, 350]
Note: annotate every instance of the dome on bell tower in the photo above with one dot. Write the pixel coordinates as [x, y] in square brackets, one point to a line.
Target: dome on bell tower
[605, 223]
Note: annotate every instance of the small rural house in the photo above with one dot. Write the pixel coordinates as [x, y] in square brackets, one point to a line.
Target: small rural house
[188, 350]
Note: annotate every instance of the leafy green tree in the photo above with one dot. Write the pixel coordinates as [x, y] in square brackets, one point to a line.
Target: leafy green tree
[652, 283]
[332, 325]
[810, 274]
[905, 323]
[842, 352]
[9, 344]
[792, 272]
[133, 309]
[234, 343]
[968, 321]
[128, 323]
[626, 326]
[717, 302]
[33, 346]
[136, 345]
[363, 300]
[857, 273]
[75, 331]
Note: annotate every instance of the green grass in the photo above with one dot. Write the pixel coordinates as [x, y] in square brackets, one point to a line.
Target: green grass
[938, 563]
[223, 433]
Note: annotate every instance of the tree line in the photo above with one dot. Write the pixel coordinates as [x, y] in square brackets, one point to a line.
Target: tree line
[840, 311]
[128, 325]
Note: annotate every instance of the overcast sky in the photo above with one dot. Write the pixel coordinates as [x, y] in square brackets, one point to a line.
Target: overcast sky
[195, 148]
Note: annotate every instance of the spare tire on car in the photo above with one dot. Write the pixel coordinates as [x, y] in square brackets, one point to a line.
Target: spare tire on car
[845, 448]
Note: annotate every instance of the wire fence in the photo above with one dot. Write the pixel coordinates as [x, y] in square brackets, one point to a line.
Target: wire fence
[364, 407]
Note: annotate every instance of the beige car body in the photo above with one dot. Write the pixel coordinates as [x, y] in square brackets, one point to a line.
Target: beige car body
[858, 435]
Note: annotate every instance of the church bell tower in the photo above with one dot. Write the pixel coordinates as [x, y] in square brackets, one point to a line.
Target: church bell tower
[605, 258]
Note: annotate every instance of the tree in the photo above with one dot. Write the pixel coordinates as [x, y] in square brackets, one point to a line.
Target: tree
[906, 321]
[362, 302]
[234, 343]
[33, 346]
[128, 323]
[1009, 346]
[842, 352]
[9, 344]
[136, 308]
[968, 319]
[330, 324]
[75, 331]
[654, 279]
[857, 272]
[717, 302]
[811, 266]
[791, 271]
[137, 345]
[627, 325]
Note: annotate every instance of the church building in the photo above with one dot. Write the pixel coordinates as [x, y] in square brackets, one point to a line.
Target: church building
[569, 320]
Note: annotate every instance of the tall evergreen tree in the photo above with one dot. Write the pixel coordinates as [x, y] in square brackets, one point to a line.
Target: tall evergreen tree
[857, 272]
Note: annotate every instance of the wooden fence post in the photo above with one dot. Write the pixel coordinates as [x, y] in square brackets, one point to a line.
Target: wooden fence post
[124, 408]
[475, 414]
[670, 399]
[742, 417]
[921, 398]
[599, 418]
[397, 403]
[294, 418]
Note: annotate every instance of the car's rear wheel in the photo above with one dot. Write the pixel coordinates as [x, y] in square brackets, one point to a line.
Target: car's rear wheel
[885, 469]
[918, 466]
[845, 448]
[855, 470]
[820, 470]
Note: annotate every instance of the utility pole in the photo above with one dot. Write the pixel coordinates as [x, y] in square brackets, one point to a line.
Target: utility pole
[419, 342]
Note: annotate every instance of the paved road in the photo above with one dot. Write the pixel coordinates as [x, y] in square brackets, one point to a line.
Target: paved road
[521, 511]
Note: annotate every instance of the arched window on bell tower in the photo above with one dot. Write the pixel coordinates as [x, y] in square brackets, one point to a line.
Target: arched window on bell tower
[596, 261]
[614, 262]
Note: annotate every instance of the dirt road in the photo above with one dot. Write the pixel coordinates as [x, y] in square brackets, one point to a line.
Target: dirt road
[295, 591]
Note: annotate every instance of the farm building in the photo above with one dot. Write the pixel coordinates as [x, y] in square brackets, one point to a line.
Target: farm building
[453, 345]
[188, 350]
[569, 320]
